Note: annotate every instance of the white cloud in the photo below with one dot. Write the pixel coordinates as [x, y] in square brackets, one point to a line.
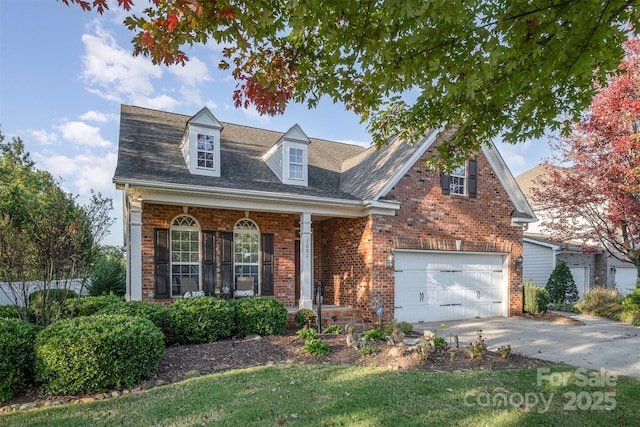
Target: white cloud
[366, 144]
[94, 116]
[79, 133]
[193, 73]
[42, 136]
[81, 173]
[112, 72]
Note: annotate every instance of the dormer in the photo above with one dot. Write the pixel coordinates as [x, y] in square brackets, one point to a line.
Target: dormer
[201, 144]
[289, 157]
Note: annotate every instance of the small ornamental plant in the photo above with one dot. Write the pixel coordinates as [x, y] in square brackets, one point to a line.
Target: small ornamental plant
[306, 333]
[376, 334]
[305, 316]
[478, 347]
[333, 329]
[316, 347]
[505, 351]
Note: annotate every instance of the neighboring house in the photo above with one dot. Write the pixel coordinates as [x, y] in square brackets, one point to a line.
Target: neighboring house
[211, 205]
[593, 267]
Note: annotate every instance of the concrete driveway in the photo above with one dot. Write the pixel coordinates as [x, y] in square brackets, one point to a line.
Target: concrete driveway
[595, 344]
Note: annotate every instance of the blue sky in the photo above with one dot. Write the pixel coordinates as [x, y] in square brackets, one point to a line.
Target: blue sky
[64, 74]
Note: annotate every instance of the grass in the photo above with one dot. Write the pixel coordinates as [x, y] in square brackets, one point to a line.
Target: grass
[307, 395]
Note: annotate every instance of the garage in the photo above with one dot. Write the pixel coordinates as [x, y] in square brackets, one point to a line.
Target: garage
[625, 279]
[438, 286]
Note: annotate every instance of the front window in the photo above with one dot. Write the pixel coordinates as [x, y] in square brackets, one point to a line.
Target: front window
[205, 152]
[296, 163]
[185, 255]
[246, 250]
[457, 181]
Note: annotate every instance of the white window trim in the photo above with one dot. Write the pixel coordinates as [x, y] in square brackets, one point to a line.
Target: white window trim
[455, 177]
[252, 231]
[197, 229]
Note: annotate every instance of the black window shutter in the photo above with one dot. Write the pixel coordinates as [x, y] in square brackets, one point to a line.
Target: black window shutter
[444, 183]
[162, 273]
[473, 178]
[208, 262]
[226, 262]
[267, 264]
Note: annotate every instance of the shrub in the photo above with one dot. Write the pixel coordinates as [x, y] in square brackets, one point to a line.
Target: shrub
[8, 312]
[157, 313]
[333, 329]
[96, 353]
[17, 356]
[88, 305]
[561, 286]
[306, 333]
[305, 316]
[200, 320]
[405, 327]
[631, 316]
[108, 273]
[601, 301]
[375, 334]
[316, 347]
[260, 315]
[633, 298]
[478, 347]
[536, 299]
[44, 305]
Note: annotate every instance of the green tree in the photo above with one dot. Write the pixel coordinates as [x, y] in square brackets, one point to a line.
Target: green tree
[560, 286]
[108, 272]
[45, 236]
[482, 67]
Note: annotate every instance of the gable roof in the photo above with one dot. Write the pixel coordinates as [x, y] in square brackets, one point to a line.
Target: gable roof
[149, 155]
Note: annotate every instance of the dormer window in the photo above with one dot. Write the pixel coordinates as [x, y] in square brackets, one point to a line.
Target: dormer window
[296, 163]
[206, 151]
[289, 157]
[201, 144]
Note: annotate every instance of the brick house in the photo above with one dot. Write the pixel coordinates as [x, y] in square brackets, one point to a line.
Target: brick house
[228, 209]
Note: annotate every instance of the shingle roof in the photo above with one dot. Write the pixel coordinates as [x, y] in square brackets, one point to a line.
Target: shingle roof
[149, 151]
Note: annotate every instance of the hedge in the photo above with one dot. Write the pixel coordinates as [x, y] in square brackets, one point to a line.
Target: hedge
[200, 320]
[97, 353]
[260, 315]
[17, 356]
[536, 299]
[157, 313]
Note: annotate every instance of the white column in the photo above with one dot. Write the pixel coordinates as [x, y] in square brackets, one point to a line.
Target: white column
[135, 251]
[306, 283]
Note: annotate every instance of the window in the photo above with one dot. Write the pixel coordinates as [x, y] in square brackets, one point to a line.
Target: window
[246, 249]
[185, 255]
[457, 181]
[296, 163]
[205, 151]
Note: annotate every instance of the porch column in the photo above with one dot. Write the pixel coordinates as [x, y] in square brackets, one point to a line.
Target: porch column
[134, 254]
[306, 283]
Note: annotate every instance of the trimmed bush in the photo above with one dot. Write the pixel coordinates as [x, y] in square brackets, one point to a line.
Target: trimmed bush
[157, 313]
[96, 353]
[561, 286]
[536, 299]
[601, 301]
[305, 316]
[260, 315]
[200, 320]
[88, 305]
[8, 312]
[17, 356]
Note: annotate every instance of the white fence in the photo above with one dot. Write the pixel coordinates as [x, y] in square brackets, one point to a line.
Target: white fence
[7, 296]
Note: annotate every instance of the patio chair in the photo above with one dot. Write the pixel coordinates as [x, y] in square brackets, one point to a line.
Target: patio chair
[244, 287]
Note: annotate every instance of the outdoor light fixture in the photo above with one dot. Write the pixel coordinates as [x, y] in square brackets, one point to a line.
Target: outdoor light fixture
[517, 262]
[389, 260]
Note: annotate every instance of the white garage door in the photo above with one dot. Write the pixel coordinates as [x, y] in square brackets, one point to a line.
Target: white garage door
[437, 286]
[580, 278]
[625, 279]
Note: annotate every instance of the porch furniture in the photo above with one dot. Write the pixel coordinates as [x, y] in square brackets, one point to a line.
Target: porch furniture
[244, 287]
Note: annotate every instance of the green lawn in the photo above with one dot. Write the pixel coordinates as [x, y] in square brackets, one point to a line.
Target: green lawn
[308, 395]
